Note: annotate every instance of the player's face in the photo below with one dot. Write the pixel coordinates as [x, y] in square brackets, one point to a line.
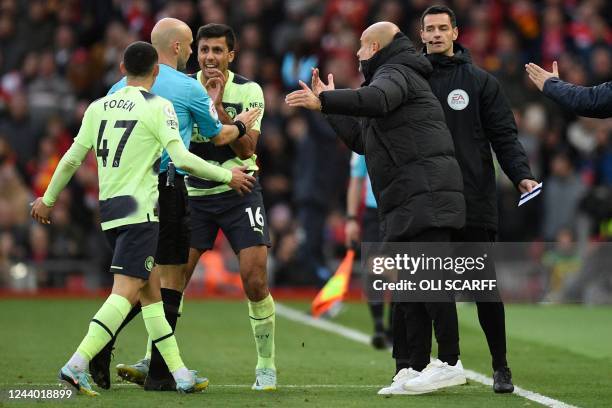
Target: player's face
[184, 51]
[438, 34]
[213, 53]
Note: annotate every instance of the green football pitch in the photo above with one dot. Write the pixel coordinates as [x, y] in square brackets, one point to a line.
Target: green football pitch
[561, 352]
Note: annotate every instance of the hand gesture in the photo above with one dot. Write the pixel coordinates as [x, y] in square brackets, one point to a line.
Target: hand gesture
[215, 86]
[241, 181]
[303, 98]
[40, 212]
[249, 117]
[538, 75]
[319, 86]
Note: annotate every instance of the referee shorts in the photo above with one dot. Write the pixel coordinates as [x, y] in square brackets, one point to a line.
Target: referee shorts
[174, 229]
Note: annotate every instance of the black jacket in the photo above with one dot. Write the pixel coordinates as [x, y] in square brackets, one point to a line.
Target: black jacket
[398, 124]
[479, 117]
[593, 102]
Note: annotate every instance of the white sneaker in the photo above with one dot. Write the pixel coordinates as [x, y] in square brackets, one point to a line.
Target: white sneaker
[435, 376]
[403, 376]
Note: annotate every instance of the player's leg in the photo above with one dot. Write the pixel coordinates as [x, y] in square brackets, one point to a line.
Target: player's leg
[102, 328]
[164, 340]
[204, 231]
[171, 257]
[246, 227]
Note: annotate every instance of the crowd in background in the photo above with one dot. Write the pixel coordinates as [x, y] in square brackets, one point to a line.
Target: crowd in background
[57, 56]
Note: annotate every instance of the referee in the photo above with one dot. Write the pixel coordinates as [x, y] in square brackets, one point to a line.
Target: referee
[479, 117]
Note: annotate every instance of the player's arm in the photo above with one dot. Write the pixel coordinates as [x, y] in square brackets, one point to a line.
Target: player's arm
[169, 137]
[244, 147]
[67, 166]
[209, 124]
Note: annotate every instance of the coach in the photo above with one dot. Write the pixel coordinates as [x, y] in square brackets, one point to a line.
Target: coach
[398, 124]
[479, 117]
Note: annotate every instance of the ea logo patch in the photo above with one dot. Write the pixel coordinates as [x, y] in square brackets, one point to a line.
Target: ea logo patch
[149, 262]
[458, 99]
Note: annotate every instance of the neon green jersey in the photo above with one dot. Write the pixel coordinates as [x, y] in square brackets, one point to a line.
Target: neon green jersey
[239, 94]
[128, 131]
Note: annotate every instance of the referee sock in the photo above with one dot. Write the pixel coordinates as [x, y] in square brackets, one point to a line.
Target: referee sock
[262, 315]
[102, 328]
[162, 335]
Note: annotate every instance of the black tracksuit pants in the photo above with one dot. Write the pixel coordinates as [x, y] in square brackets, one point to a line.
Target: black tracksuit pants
[491, 315]
[412, 322]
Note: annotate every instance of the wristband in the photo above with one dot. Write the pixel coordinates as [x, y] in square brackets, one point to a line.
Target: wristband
[351, 217]
[242, 129]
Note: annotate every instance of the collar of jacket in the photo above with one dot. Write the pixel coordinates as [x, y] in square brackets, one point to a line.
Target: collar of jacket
[399, 51]
[461, 56]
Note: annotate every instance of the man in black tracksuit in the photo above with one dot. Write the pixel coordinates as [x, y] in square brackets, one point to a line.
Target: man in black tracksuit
[398, 124]
[479, 117]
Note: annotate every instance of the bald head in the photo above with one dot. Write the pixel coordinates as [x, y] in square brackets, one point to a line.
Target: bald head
[172, 39]
[376, 37]
[382, 33]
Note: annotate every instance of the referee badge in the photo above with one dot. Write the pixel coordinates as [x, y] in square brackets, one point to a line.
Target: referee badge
[458, 99]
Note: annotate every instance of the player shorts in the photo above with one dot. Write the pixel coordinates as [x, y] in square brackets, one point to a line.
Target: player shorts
[174, 229]
[133, 248]
[241, 218]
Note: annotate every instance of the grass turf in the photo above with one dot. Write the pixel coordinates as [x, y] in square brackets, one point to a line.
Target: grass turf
[560, 351]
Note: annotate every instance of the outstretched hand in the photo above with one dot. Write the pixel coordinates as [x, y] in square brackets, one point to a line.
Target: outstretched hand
[303, 98]
[319, 86]
[539, 75]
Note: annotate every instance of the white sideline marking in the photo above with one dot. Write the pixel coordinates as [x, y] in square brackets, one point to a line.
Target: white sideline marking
[360, 337]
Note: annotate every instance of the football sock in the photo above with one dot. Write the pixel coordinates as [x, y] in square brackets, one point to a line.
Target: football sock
[103, 326]
[162, 335]
[171, 300]
[261, 314]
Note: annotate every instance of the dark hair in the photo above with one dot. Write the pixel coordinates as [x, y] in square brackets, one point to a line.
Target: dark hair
[439, 9]
[213, 30]
[139, 58]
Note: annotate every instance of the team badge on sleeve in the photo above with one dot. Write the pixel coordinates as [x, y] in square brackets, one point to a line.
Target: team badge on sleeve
[171, 118]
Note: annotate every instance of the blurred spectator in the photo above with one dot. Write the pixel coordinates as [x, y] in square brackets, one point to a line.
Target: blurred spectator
[562, 195]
